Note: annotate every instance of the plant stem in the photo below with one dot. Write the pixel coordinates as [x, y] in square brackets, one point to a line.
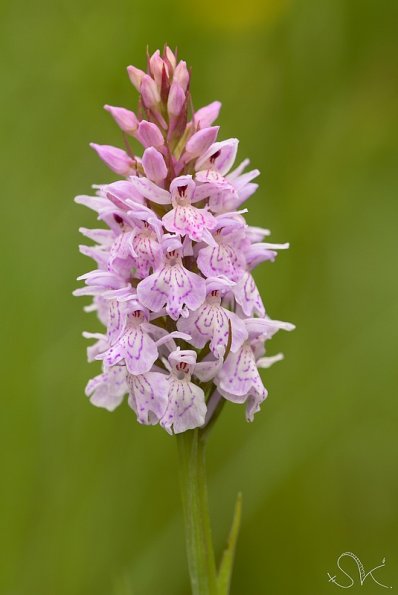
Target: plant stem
[199, 544]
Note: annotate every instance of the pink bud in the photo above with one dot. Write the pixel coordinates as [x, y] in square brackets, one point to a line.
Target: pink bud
[205, 116]
[170, 57]
[181, 75]
[156, 65]
[149, 134]
[149, 91]
[176, 99]
[201, 141]
[115, 158]
[124, 118]
[136, 75]
[154, 164]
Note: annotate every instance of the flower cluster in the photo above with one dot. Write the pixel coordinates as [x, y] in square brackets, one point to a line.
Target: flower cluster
[173, 285]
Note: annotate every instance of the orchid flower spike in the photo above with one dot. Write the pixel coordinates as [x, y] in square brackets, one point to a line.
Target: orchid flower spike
[173, 280]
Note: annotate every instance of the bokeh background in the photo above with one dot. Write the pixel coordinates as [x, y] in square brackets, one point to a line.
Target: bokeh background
[89, 501]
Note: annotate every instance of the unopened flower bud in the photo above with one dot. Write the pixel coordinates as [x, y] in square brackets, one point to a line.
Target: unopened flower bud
[168, 56]
[149, 134]
[176, 99]
[154, 165]
[181, 75]
[149, 91]
[116, 159]
[156, 65]
[201, 141]
[124, 118]
[136, 75]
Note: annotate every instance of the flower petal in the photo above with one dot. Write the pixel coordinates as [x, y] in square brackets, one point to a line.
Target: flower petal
[190, 221]
[248, 296]
[220, 156]
[201, 141]
[148, 396]
[151, 191]
[206, 115]
[173, 287]
[108, 389]
[239, 375]
[222, 259]
[136, 348]
[186, 408]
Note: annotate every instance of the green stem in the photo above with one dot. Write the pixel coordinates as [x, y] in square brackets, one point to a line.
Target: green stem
[199, 544]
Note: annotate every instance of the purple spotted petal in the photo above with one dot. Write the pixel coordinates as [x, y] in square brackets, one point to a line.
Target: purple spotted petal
[146, 251]
[186, 406]
[211, 323]
[188, 220]
[239, 380]
[117, 318]
[222, 259]
[172, 287]
[120, 253]
[148, 396]
[136, 348]
[248, 296]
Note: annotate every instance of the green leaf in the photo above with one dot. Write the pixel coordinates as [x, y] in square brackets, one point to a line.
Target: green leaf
[227, 561]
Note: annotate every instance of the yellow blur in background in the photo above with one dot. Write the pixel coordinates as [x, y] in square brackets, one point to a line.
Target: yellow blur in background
[233, 15]
[89, 501]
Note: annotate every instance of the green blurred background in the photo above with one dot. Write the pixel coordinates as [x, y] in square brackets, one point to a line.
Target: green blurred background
[89, 500]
